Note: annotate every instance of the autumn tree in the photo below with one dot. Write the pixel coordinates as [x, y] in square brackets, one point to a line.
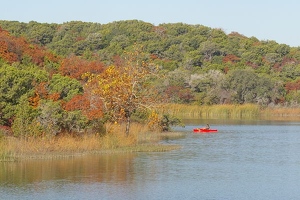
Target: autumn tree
[125, 88]
[18, 49]
[75, 67]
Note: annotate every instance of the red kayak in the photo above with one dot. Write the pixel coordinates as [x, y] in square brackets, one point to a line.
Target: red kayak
[203, 130]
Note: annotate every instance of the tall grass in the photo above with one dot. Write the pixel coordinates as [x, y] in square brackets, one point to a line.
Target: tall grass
[139, 139]
[245, 111]
[215, 111]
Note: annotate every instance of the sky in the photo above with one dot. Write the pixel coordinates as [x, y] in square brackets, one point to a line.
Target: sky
[275, 20]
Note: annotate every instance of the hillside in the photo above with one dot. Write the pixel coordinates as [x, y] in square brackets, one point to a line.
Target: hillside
[196, 65]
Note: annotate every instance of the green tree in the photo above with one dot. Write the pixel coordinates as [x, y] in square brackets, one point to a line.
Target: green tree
[247, 87]
[25, 123]
[209, 49]
[40, 33]
[65, 86]
[15, 82]
[208, 85]
[51, 117]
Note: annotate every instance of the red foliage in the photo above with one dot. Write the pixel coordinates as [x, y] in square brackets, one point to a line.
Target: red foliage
[230, 58]
[91, 109]
[75, 67]
[292, 85]
[78, 102]
[7, 47]
[285, 61]
[178, 93]
[153, 56]
[79, 39]
[90, 105]
[55, 96]
[253, 65]
[14, 49]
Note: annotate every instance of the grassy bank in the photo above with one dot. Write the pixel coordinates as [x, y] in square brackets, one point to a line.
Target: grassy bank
[140, 140]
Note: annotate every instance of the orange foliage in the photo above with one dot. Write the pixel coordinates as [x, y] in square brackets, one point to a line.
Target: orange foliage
[292, 85]
[14, 49]
[153, 56]
[231, 58]
[41, 92]
[7, 47]
[89, 104]
[78, 102]
[226, 69]
[55, 96]
[75, 67]
[34, 101]
[91, 109]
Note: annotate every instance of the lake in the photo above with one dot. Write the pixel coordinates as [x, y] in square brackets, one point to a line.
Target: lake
[243, 160]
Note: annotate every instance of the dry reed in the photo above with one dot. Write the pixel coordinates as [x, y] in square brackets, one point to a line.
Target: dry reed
[139, 139]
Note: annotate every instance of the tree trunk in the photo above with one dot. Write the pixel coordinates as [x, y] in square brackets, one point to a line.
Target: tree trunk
[127, 125]
[127, 115]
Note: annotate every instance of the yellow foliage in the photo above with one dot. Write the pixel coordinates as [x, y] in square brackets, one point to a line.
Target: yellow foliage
[154, 120]
[123, 89]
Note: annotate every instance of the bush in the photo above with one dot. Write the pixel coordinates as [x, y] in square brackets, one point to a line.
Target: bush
[167, 121]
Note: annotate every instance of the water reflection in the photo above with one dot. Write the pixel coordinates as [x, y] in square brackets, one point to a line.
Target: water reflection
[244, 160]
[93, 168]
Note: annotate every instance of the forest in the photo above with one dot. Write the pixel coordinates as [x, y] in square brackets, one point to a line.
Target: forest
[76, 76]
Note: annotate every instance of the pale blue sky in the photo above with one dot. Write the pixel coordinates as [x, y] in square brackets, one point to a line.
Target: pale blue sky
[264, 19]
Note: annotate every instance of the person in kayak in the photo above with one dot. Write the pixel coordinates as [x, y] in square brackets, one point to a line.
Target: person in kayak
[207, 127]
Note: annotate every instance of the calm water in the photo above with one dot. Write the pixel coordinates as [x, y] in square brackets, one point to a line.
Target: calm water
[244, 160]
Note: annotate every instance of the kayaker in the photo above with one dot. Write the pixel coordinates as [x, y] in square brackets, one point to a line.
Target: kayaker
[207, 127]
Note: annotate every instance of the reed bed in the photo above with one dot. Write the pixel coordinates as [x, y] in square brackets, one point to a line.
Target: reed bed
[139, 139]
[245, 111]
[215, 111]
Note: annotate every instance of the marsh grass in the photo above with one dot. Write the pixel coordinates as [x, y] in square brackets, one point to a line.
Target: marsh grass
[215, 111]
[245, 111]
[140, 139]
